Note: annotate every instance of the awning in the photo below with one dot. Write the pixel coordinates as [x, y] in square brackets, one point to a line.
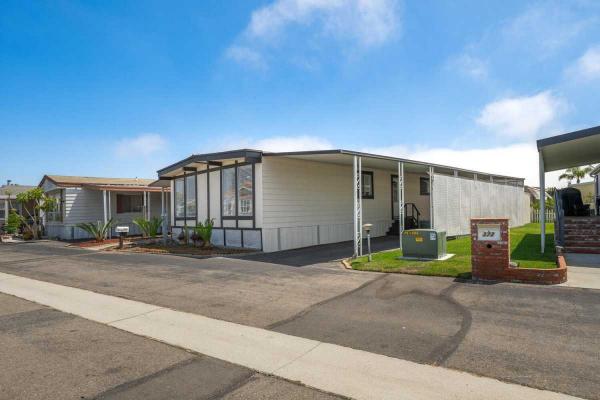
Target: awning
[123, 188]
[572, 149]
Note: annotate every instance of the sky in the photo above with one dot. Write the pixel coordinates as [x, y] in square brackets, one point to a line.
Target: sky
[124, 88]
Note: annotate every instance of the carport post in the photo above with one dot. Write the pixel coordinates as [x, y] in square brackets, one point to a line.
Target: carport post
[357, 206]
[149, 194]
[431, 222]
[400, 202]
[542, 203]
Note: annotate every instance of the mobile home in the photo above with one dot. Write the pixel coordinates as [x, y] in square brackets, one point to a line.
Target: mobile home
[83, 199]
[277, 201]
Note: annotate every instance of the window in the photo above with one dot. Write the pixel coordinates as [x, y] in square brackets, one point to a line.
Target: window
[367, 185]
[424, 185]
[56, 213]
[238, 194]
[190, 196]
[179, 198]
[228, 192]
[244, 187]
[127, 203]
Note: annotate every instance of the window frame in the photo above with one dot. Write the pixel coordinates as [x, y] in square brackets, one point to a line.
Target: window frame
[184, 179]
[236, 217]
[362, 186]
[426, 180]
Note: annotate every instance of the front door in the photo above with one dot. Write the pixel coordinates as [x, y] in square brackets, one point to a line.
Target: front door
[395, 196]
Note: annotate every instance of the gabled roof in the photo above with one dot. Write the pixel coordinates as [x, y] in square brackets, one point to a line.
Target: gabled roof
[14, 189]
[75, 181]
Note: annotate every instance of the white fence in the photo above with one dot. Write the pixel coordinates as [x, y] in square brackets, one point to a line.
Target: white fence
[535, 215]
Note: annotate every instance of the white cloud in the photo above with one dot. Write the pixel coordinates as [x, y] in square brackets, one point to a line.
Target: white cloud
[587, 67]
[518, 160]
[546, 27]
[365, 23]
[521, 117]
[247, 56]
[142, 145]
[470, 65]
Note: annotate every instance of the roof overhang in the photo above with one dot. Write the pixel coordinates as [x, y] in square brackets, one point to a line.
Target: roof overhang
[375, 161]
[123, 188]
[203, 161]
[572, 149]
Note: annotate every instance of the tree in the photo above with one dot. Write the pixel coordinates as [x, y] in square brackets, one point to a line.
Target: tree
[40, 202]
[576, 173]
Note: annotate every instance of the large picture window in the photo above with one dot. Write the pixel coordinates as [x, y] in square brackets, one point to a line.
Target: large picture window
[179, 199]
[127, 203]
[245, 189]
[185, 197]
[228, 192]
[190, 196]
[56, 214]
[237, 191]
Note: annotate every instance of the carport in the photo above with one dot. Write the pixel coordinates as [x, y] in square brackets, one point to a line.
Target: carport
[565, 151]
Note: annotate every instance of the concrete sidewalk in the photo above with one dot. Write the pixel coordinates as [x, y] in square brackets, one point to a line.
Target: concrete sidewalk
[332, 368]
[584, 270]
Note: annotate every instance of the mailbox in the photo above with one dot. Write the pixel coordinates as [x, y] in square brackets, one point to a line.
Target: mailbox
[424, 243]
[122, 229]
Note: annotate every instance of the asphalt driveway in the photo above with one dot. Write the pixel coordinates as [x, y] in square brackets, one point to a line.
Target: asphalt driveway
[47, 354]
[545, 337]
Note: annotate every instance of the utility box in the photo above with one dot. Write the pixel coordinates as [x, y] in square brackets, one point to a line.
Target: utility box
[424, 243]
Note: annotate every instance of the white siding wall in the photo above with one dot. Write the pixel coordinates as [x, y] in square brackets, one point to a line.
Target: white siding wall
[308, 203]
[457, 200]
[85, 205]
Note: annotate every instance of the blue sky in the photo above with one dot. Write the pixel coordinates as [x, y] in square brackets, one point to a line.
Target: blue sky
[119, 88]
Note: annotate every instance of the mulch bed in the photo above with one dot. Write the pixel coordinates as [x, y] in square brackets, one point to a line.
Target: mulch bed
[93, 243]
[186, 250]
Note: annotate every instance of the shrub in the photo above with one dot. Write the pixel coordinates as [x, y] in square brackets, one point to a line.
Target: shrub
[99, 230]
[150, 227]
[12, 222]
[204, 230]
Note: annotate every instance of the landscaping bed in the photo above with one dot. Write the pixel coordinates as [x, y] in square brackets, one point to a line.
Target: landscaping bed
[182, 249]
[524, 244]
[94, 243]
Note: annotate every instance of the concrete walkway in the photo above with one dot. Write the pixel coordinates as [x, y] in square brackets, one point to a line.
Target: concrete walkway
[332, 368]
[584, 270]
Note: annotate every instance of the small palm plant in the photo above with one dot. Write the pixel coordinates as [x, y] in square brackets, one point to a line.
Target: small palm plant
[204, 230]
[149, 227]
[98, 230]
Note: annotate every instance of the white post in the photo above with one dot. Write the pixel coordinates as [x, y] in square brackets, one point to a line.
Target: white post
[431, 222]
[149, 194]
[400, 201]
[542, 203]
[357, 202]
[145, 205]
[109, 214]
[360, 214]
[105, 210]
[6, 211]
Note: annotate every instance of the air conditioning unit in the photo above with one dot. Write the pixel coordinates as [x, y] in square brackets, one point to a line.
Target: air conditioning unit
[428, 244]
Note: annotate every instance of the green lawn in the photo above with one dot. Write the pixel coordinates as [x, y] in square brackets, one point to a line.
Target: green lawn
[524, 244]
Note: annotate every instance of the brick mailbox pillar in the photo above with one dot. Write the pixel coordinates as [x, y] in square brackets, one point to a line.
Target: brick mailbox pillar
[490, 248]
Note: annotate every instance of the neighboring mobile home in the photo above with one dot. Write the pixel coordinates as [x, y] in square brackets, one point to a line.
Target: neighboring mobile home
[87, 199]
[8, 200]
[279, 201]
